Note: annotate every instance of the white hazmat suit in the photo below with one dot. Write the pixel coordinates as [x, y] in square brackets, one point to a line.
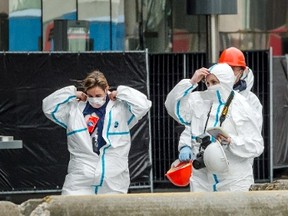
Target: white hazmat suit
[254, 102]
[88, 172]
[191, 109]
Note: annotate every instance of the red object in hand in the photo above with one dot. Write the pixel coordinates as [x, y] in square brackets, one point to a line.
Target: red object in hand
[180, 173]
[91, 123]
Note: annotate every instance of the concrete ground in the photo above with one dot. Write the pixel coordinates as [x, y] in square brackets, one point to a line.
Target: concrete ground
[281, 184]
[264, 203]
[262, 199]
[20, 198]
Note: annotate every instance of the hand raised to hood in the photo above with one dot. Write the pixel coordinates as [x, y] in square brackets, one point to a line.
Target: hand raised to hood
[199, 75]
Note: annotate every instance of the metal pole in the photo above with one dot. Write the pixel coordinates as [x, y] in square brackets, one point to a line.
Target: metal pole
[214, 41]
[30, 192]
[271, 112]
[110, 10]
[208, 38]
[184, 66]
[149, 117]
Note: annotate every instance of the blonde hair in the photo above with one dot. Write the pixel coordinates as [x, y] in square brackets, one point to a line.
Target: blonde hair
[95, 79]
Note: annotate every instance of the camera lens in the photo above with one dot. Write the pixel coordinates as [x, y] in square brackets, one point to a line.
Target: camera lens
[198, 163]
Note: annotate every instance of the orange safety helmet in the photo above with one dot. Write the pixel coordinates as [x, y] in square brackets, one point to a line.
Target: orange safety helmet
[180, 173]
[233, 57]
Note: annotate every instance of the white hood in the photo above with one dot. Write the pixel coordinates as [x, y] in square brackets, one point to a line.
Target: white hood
[249, 78]
[224, 74]
[246, 82]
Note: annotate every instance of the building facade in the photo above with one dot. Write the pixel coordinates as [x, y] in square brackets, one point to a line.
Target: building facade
[160, 26]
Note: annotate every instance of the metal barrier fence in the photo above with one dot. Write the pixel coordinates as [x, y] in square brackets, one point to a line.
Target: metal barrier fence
[259, 62]
[168, 69]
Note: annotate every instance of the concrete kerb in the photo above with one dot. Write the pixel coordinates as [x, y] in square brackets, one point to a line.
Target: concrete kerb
[30, 205]
[8, 208]
[181, 203]
[276, 185]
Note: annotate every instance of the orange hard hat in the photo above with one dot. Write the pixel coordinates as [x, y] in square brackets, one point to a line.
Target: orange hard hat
[233, 57]
[180, 173]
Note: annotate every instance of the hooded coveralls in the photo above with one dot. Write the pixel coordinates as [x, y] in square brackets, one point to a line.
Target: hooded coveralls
[254, 102]
[191, 109]
[88, 172]
[251, 97]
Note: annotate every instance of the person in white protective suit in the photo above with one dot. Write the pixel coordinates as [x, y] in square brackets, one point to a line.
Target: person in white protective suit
[97, 124]
[199, 110]
[244, 79]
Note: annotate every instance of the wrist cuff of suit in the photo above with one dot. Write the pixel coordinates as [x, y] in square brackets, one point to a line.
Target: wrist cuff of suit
[184, 147]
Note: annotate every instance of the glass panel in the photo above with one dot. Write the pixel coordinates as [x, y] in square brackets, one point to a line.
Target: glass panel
[257, 26]
[4, 9]
[131, 25]
[156, 25]
[78, 36]
[97, 12]
[189, 31]
[4, 6]
[148, 25]
[52, 10]
[24, 25]
[118, 25]
[272, 20]
[77, 39]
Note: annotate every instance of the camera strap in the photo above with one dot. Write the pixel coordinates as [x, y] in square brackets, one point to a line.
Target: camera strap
[225, 109]
[208, 115]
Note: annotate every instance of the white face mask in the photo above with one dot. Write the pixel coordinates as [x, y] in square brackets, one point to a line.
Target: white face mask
[214, 88]
[97, 102]
[211, 93]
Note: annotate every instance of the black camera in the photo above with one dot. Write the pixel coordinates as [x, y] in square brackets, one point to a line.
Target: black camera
[204, 140]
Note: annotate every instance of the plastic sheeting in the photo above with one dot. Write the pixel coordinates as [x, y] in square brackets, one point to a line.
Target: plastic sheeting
[27, 78]
[280, 111]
